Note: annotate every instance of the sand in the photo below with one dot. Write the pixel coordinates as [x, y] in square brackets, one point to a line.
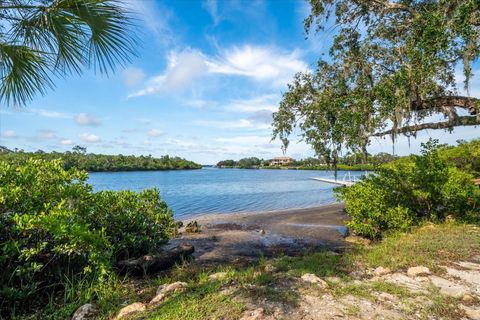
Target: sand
[248, 236]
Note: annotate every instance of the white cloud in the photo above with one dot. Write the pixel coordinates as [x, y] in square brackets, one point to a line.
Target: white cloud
[9, 134]
[212, 8]
[46, 134]
[259, 63]
[155, 17]
[88, 137]
[50, 114]
[267, 102]
[133, 76]
[85, 119]
[66, 142]
[182, 68]
[239, 124]
[263, 64]
[154, 133]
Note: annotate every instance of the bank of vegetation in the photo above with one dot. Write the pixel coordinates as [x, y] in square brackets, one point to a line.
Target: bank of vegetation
[353, 162]
[79, 158]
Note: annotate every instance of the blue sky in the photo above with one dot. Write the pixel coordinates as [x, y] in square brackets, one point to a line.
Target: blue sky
[208, 76]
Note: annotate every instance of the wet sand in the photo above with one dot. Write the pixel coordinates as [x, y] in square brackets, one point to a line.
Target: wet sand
[248, 236]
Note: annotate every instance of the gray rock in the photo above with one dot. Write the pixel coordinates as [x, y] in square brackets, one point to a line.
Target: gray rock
[418, 271]
[86, 312]
[471, 313]
[133, 308]
[381, 271]
[166, 289]
[449, 288]
[407, 282]
[311, 278]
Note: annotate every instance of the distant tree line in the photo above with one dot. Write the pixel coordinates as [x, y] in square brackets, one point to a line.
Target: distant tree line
[80, 159]
[351, 161]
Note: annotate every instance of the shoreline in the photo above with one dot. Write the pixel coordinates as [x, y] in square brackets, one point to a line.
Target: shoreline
[249, 236]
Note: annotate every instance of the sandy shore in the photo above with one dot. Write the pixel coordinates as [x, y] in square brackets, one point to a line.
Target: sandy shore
[228, 237]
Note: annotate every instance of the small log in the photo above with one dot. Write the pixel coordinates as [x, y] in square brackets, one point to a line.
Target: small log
[155, 263]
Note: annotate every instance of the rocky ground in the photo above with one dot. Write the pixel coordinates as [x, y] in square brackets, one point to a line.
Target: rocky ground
[373, 294]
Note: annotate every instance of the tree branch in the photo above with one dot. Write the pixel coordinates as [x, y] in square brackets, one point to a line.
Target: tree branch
[459, 121]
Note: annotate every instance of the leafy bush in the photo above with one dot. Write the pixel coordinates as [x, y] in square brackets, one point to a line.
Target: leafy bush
[54, 227]
[407, 191]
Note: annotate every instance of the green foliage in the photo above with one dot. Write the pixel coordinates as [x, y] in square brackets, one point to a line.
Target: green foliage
[408, 191]
[54, 227]
[41, 39]
[391, 65]
[99, 162]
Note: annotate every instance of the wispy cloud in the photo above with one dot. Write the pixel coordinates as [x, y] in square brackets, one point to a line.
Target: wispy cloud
[238, 124]
[212, 8]
[8, 134]
[154, 133]
[132, 76]
[46, 134]
[49, 113]
[66, 142]
[85, 119]
[267, 102]
[89, 137]
[262, 64]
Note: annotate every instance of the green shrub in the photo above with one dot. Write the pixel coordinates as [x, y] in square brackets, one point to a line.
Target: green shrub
[407, 191]
[54, 227]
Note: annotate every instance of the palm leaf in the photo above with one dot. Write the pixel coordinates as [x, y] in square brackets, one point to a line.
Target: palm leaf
[63, 37]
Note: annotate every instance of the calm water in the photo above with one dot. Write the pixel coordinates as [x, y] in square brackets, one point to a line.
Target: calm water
[212, 190]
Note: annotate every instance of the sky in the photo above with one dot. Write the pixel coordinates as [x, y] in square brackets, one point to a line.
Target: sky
[207, 78]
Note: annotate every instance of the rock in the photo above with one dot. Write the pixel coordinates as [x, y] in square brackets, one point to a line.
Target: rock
[358, 240]
[164, 290]
[407, 282]
[256, 314]
[471, 313]
[418, 271]
[262, 232]
[333, 279]
[467, 298]
[86, 312]
[217, 276]
[192, 227]
[469, 265]
[387, 297]
[152, 264]
[130, 309]
[270, 268]
[179, 224]
[448, 287]
[311, 278]
[469, 276]
[381, 271]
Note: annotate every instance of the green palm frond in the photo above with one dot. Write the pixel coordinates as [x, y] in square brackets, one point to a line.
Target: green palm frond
[62, 37]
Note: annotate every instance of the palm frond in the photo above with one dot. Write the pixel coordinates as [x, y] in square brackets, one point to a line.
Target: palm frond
[64, 37]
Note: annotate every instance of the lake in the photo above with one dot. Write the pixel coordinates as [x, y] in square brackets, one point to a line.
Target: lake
[213, 190]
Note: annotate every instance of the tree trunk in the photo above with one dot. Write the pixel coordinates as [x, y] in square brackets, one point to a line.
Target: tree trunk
[153, 264]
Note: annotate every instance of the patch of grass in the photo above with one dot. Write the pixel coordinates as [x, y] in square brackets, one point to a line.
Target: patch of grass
[322, 264]
[391, 288]
[429, 246]
[358, 290]
[200, 301]
[107, 295]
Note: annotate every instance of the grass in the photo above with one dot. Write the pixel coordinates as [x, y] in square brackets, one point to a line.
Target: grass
[200, 301]
[226, 298]
[430, 246]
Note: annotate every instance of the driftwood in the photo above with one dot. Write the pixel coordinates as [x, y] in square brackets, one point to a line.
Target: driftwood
[155, 263]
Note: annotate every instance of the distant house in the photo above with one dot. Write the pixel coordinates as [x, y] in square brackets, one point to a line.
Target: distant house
[281, 161]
